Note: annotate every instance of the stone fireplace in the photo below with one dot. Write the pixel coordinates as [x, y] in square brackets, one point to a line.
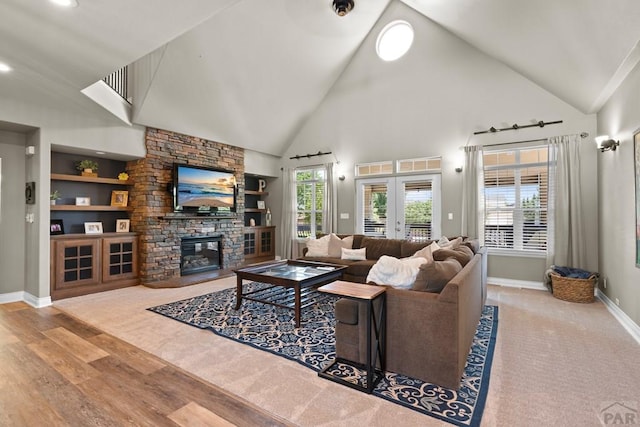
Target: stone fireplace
[198, 254]
[162, 230]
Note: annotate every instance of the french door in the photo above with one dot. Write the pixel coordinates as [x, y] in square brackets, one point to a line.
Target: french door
[400, 207]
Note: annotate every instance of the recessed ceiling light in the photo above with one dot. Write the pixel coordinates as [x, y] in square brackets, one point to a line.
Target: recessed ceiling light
[65, 3]
[4, 68]
[394, 40]
[100, 152]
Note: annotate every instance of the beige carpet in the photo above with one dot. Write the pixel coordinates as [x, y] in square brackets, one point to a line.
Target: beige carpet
[555, 363]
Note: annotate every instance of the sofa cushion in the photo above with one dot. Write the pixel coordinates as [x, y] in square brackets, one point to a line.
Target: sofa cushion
[379, 247]
[346, 311]
[359, 268]
[336, 244]
[354, 254]
[318, 247]
[397, 272]
[462, 253]
[433, 276]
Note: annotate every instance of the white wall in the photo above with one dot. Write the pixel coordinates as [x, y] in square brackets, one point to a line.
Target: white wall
[429, 103]
[620, 119]
[12, 211]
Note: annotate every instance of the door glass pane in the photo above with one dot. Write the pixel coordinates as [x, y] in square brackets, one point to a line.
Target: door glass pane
[418, 203]
[375, 210]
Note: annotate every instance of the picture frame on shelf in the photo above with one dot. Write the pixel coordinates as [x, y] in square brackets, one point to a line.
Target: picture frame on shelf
[261, 204]
[83, 201]
[119, 198]
[122, 225]
[56, 227]
[93, 228]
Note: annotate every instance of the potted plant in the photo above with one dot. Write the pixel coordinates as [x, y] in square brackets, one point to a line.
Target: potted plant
[87, 167]
[54, 196]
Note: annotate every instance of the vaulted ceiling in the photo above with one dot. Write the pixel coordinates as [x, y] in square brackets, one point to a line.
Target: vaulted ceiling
[251, 72]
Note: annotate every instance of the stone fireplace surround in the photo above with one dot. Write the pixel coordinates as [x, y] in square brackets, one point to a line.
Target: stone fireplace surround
[160, 229]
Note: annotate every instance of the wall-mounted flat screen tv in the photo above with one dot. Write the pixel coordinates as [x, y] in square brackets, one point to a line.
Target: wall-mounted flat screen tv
[203, 190]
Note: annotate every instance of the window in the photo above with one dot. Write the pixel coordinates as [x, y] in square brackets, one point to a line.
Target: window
[515, 199]
[310, 201]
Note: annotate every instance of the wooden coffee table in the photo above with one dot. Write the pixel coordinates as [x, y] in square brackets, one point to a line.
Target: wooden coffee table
[292, 283]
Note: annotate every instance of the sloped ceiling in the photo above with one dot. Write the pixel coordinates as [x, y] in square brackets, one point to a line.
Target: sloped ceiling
[250, 73]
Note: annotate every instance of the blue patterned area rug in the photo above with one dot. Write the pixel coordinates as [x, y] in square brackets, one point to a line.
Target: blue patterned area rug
[273, 329]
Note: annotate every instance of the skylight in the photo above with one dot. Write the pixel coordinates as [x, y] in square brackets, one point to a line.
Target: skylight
[394, 40]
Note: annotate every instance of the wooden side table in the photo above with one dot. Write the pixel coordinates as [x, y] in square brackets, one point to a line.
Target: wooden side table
[375, 323]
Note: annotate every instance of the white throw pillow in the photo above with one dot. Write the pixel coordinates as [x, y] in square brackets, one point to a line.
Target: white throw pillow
[336, 244]
[445, 243]
[427, 252]
[399, 273]
[354, 254]
[318, 247]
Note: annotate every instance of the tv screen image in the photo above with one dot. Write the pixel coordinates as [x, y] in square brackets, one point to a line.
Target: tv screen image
[204, 189]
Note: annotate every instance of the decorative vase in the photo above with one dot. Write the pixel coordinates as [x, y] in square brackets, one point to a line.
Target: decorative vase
[252, 222]
[53, 202]
[268, 217]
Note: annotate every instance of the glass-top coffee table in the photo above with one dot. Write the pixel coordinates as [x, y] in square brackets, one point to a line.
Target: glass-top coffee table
[291, 282]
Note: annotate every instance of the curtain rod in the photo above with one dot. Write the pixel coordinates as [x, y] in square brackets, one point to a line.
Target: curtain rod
[582, 135]
[300, 156]
[516, 127]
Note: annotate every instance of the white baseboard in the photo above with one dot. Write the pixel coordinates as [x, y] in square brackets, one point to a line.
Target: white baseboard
[26, 297]
[512, 283]
[626, 322]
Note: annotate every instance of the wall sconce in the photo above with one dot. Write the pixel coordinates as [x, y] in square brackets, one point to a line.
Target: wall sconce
[459, 169]
[605, 143]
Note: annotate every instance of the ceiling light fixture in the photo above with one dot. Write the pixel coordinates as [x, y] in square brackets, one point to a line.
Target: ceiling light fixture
[342, 7]
[605, 143]
[65, 3]
[394, 40]
[4, 68]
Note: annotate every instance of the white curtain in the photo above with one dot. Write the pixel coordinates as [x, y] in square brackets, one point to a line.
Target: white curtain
[565, 236]
[329, 214]
[288, 229]
[472, 194]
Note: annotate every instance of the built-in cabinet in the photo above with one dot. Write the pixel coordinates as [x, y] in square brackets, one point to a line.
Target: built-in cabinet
[259, 237]
[259, 242]
[84, 263]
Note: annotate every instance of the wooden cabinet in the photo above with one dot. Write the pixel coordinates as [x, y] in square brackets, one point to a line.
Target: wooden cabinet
[259, 242]
[83, 263]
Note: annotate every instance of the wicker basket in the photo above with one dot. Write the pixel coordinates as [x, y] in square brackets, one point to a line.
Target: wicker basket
[573, 290]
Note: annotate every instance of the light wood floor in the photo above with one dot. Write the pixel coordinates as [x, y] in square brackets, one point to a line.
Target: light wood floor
[58, 371]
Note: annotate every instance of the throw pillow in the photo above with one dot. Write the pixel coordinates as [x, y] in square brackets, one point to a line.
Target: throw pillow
[427, 252]
[462, 253]
[434, 275]
[336, 244]
[354, 254]
[444, 242]
[399, 273]
[318, 247]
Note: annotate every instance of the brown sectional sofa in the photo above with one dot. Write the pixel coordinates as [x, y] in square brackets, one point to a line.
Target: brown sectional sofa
[428, 335]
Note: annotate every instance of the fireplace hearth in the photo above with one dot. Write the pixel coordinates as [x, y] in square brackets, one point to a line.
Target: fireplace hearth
[198, 254]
